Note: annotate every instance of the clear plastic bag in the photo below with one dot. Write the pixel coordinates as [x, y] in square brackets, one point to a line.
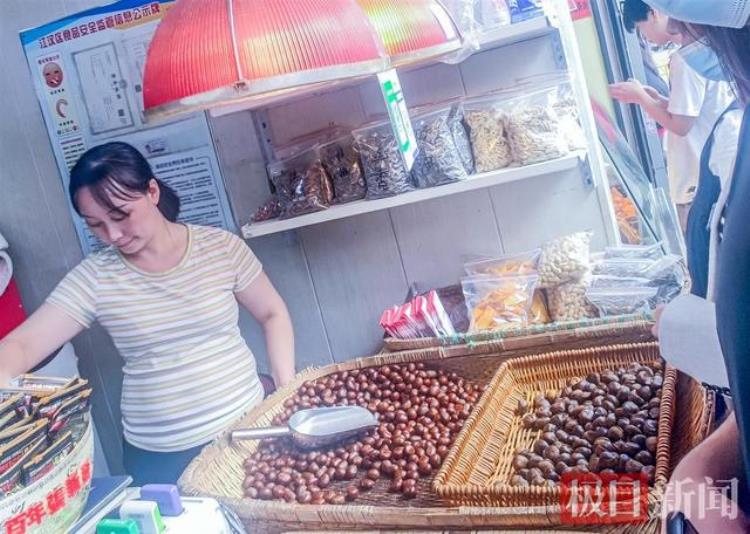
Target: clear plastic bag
[452, 299]
[568, 302]
[617, 282]
[538, 312]
[301, 184]
[623, 301]
[535, 132]
[270, 209]
[438, 161]
[497, 302]
[486, 120]
[621, 268]
[461, 136]
[566, 107]
[634, 252]
[381, 159]
[565, 259]
[524, 263]
[342, 164]
[669, 275]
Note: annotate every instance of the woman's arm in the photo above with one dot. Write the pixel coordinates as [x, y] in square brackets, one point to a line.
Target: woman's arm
[29, 344]
[632, 92]
[718, 459]
[265, 304]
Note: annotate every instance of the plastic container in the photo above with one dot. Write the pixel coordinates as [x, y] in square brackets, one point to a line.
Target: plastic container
[497, 302]
[623, 301]
[535, 132]
[438, 160]
[486, 120]
[523, 263]
[341, 162]
[381, 159]
[301, 183]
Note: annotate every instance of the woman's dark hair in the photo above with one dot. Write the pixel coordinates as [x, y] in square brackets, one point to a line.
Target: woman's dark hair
[633, 12]
[118, 170]
[733, 48]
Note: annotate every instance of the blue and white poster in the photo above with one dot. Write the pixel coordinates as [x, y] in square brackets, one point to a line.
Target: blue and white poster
[87, 70]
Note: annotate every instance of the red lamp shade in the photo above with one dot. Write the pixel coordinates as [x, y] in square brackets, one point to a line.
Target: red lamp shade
[413, 30]
[212, 52]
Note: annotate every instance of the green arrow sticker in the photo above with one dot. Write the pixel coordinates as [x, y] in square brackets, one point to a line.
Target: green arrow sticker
[399, 115]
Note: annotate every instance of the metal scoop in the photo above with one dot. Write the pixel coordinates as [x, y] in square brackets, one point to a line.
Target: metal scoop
[316, 427]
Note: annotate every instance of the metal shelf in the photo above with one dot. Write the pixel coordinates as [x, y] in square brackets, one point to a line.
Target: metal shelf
[476, 181]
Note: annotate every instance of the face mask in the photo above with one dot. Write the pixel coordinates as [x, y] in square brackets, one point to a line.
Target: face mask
[725, 13]
[704, 61]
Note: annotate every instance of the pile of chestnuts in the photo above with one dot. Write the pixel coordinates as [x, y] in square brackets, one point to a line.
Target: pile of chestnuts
[420, 413]
[606, 423]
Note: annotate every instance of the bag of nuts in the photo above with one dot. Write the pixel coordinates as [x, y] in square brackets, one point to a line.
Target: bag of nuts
[438, 161]
[301, 184]
[568, 302]
[565, 259]
[384, 168]
[535, 131]
[486, 120]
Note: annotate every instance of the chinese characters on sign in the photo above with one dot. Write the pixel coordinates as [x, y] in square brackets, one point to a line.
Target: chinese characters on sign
[53, 503]
[110, 21]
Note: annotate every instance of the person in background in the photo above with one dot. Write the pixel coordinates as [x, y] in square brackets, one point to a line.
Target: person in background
[689, 114]
[723, 330]
[167, 293]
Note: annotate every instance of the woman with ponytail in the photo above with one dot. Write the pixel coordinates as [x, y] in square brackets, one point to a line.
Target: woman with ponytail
[167, 293]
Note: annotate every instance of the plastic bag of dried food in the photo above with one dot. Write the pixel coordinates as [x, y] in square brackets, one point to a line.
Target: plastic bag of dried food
[634, 252]
[461, 136]
[624, 301]
[568, 302]
[670, 276]
[624, 268]
[535, 132]
[523, 263]
[342, 164]
[269, 210]
[301, 184]
[617, 282]
[486, 121]
[565, 259]
[497, 302]
[538, 313]
[438, 161]
[381, 159]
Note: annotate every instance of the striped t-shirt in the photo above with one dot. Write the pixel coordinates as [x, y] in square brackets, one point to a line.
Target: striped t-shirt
[188, 372]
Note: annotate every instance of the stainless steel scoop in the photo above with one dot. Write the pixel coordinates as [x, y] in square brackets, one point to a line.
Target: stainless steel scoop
[316, 427]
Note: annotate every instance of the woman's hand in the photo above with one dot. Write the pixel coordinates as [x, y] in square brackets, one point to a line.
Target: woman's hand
[630, 92]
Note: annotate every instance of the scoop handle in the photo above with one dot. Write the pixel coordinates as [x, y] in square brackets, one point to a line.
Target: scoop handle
[260, 433]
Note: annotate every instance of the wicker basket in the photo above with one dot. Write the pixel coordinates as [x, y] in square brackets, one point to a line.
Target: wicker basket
[478, 469]
[530, 336]
[217, 472]
[39, 507]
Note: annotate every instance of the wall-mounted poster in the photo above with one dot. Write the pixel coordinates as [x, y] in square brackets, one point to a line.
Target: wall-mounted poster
[87, 69]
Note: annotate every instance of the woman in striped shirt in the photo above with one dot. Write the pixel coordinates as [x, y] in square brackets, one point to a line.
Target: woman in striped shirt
[167, 293]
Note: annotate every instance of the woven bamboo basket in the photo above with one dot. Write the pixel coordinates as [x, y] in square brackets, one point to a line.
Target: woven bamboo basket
[478, 469]
[218, 471]
[530, 336]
